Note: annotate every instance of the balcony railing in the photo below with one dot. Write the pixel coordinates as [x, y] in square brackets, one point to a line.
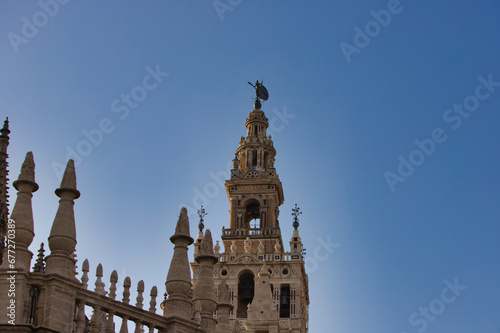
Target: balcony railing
[249, 232]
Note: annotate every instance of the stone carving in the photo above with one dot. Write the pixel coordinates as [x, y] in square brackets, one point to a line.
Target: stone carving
[261, 246]
[270, 162]
[277, 246]
[182, 228]
[233, 246]
[248, 245]
[28, 168]
[236, 162]
[207, 247]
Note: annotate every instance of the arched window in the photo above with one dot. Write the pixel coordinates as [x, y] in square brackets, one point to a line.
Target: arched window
[246, 288]
[252, 215]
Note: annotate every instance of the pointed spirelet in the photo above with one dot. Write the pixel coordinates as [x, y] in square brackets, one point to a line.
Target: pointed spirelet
[63, 233]
[28, 168]
[22, 213]
[207, 247]
[62, 239]
[182, 228]
[68, 181]
[178, 284]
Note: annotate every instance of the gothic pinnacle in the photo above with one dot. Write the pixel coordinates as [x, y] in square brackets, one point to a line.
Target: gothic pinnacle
[182, 228]
[62, 239]
[207, 247]
[23, 212]
[178, 284]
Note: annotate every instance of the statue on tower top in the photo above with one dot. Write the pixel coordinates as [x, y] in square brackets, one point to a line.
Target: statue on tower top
[260, 93]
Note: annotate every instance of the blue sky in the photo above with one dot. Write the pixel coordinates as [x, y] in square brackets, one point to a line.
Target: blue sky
[348, 109]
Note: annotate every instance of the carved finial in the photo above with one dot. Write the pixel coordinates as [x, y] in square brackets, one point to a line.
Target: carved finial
[85, 276]
[261, 246]
[39, 266]
[217, 247]
[126, 290]
[112, 288]
[233, 247]
[140, 291]
[152, 304]
[236, 161]
[201, 213]
[277, 246]
[69, 177]
[296, 212]
[182, 228]
[28, 168]
[99, 285]
[207, 247]
[248, 245]
[6, 125]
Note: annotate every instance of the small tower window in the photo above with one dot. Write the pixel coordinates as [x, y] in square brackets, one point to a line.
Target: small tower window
[285, 301]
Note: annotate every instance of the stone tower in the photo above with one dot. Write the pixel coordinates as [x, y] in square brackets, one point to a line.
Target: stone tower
[268, 286]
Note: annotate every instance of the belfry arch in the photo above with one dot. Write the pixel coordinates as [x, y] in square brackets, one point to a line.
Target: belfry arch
[246, 288]
[252, 215]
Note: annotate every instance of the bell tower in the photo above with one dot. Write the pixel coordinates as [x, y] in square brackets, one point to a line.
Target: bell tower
[254, 190]
[267, 284]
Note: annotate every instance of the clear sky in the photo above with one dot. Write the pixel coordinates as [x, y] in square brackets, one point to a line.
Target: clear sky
[385, 123]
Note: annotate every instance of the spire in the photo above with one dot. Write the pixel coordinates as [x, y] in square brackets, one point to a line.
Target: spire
[204, 289]
[207, 245]
[178, 283]
[39, 266]
[22, 213]
[62, 239]
[4, 195]
[296, 248]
